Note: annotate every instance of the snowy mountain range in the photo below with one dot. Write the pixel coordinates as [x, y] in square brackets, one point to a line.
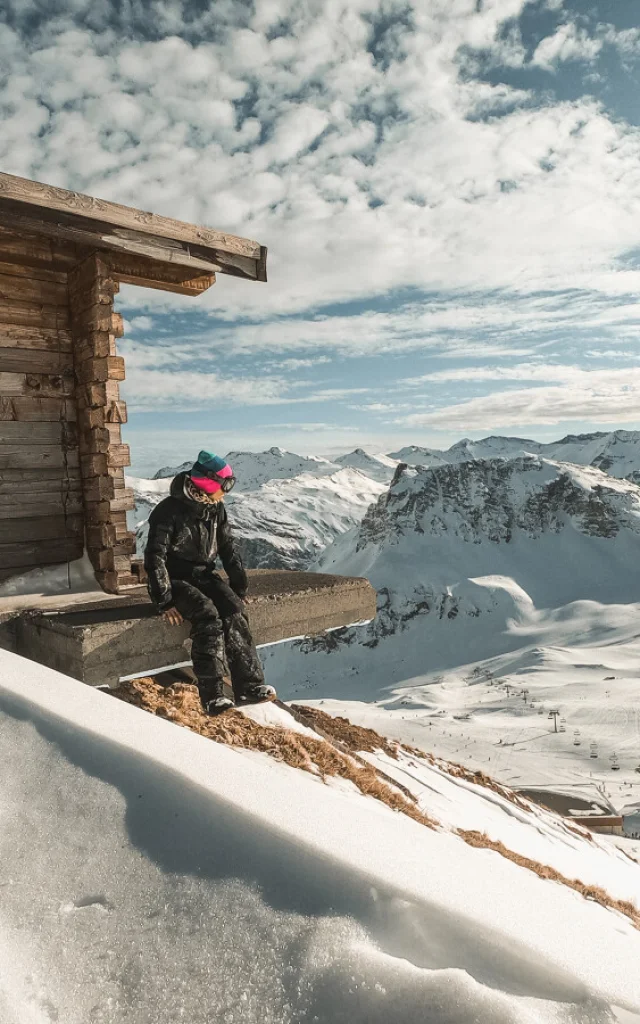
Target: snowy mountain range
[287, 508]
[252, 469]
[444, 539]
[616, 453]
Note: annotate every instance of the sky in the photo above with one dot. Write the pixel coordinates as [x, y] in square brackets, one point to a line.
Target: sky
[449, 191]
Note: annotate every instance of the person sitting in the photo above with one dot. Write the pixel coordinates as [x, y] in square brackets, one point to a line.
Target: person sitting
[187, 532]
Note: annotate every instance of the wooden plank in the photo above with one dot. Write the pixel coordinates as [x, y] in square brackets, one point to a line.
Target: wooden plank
[28, 290]
[47, 197]
[41, 528]
[38, 385]
[34, 250]
[17, 507]
[115, 433]
[92, 345]
[103, 237]
[94, 441]
[117, 324]
[124, 500]
[119, 455]
[34, 492]
[38, 433]
[125, 544]
[92, 318]
[42, 552]
[17, 336]
[97, 490]
[194, 287]
[106, 560]
[101, 293]
[97, 396]
[28, 360]
[119, 520]
[55, 479]
[170, 277]
[117, 475]
[116, 367]
[97, 511]
[32, 273]
[93, 465]
[38, 409]
[97, 371]
[101, 535]
[31, 457]
[34, 314]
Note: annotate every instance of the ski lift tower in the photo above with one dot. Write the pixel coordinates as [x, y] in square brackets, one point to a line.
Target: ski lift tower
[554, 715]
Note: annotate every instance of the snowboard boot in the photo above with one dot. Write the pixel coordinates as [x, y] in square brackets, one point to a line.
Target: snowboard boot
[213, 698]
[218, 705]
[256, 693]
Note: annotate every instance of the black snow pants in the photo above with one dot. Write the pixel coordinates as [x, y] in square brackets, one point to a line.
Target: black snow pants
[219, 627]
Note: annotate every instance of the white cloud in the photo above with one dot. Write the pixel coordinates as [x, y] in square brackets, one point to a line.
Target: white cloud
[538, 198]
[569, 42]
[611, 396]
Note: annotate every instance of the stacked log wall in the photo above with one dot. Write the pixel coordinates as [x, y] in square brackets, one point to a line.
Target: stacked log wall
[98, 370]
[41, 508]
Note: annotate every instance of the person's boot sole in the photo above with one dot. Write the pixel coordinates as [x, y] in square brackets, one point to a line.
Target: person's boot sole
[214, 712]
[245, 701]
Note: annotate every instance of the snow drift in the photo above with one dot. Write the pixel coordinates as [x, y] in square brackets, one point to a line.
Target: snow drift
[152, 875]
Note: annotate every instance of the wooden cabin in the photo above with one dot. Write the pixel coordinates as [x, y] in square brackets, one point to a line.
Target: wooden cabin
[62, 258]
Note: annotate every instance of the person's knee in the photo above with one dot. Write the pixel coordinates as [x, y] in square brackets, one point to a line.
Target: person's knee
[205, 621]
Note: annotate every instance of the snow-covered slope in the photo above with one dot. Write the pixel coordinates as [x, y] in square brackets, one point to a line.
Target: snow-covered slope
[414, 455]
[286, 524]
[378, 467]
[449, 535]
[616, 453]
[283, 523]
[495, 579]
[152, 875]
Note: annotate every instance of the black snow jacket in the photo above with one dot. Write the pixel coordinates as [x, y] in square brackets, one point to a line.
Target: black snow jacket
[185, 537]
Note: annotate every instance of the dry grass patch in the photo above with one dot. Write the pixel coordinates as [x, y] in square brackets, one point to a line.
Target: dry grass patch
[180, 704]
[354, 737]
[591, 892]
[358, 739]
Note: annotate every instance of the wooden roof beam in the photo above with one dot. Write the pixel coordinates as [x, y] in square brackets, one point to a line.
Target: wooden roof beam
[97, 224]
[148, 273]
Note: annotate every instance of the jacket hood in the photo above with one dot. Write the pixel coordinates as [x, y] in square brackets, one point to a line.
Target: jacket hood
[177, 490]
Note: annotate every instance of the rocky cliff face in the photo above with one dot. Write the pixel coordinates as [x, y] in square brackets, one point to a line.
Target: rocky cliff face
[490, 499]
[493, 536]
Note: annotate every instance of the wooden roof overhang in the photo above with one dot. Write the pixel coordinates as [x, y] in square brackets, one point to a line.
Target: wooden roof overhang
[143, 248]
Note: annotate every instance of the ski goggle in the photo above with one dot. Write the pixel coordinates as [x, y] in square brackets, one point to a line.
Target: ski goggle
[212, 482]
[227, 483]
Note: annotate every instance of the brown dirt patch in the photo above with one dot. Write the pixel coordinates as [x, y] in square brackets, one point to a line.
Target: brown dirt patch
[481, 840]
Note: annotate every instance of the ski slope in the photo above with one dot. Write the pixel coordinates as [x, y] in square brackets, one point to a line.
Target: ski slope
[150, 875]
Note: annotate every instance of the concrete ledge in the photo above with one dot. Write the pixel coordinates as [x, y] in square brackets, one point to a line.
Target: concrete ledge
[103, 641]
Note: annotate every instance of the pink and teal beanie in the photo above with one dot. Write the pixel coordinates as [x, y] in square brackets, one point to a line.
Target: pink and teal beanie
[208, 463]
